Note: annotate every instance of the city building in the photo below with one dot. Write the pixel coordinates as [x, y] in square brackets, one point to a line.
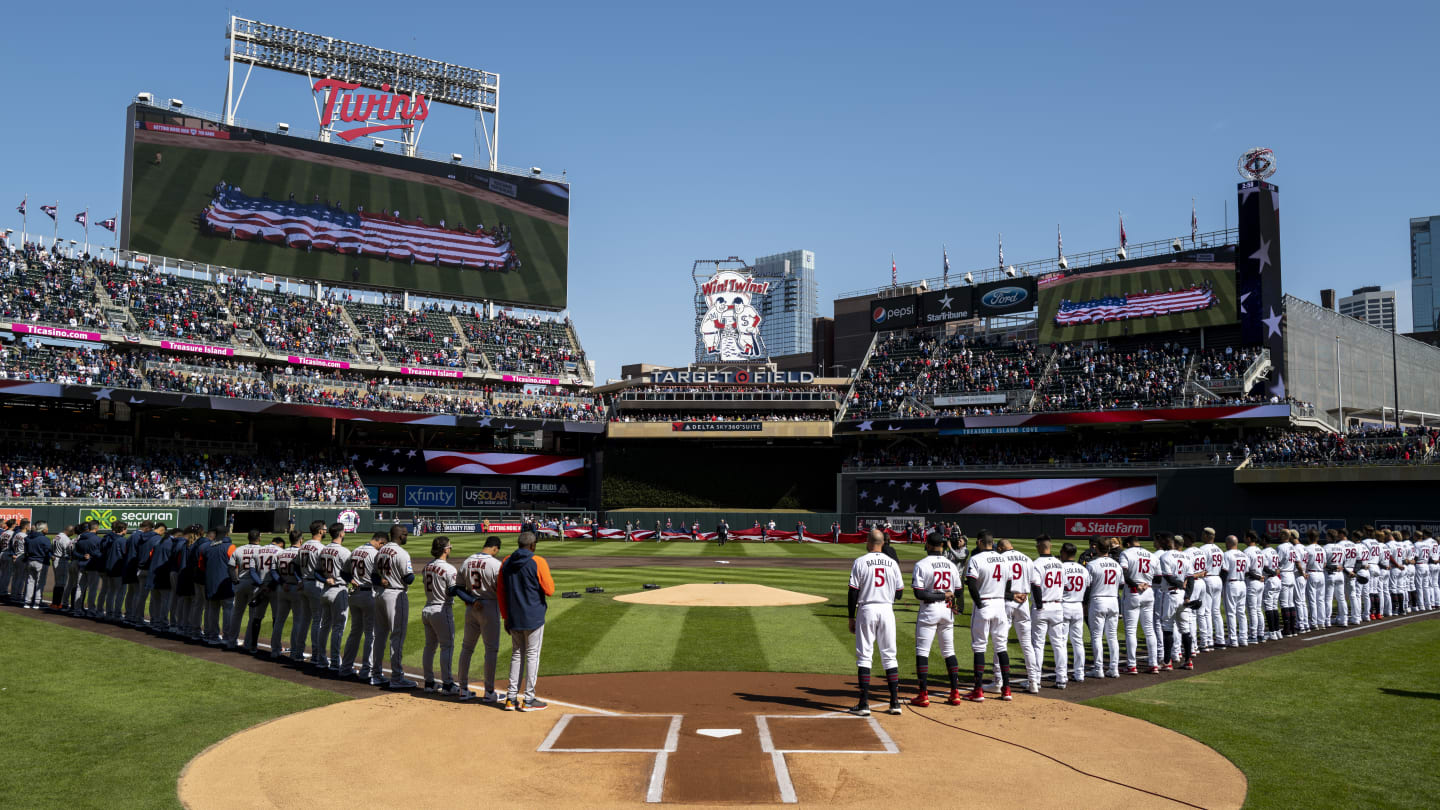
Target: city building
[788, 311]
[1424, 264]
[1371, 305]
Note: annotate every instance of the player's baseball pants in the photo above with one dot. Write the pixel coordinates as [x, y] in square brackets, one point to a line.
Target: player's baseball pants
[525, 660]
[34, 592]
[1271, 600]
[217, 618]
[314, 610]
[362, 632]
[1074, 622]
[392, 615]
[1434, 585]
[160, 604]
[197, 609]
[1020, 620]
[989, 623]
[1354, 595]
[1104, 625]
[439, 623]
[244, 589]
[289, 604]
[1049, 623]
[61, 569]
[1337, 610]
[1287, 590]
[334, 604]
[1213, 629]
[179, 608]
[1255, 609]
[110, 590]
[928, 627]
[72, 585]
[1140, 613]
[89, 591]
[1202, 613]
[1236, 622]
[1422, 585]
[251, 641]
[1315, 598]
[874, 624]
[138, 594]
[4, 573]
[482, 623]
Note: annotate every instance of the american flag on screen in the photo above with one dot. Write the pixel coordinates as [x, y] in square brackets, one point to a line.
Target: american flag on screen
[323, 227]
[1048, 496]
[1137, 305]
[413, 461]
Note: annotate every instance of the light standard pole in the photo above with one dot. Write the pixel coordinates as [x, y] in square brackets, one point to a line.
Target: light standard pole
[1339, 387]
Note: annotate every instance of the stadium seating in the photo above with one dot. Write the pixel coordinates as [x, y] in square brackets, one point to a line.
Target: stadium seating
[1291, 448]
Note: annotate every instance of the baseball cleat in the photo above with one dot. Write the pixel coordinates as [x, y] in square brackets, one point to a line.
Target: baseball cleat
[1188, 665]
[1169, 667]
[1060, 685]
[922, 700]
[429, 686]
[1033, 688]
[453, 690]
[977, 696]
[954, 697]
[896, 708]
[859, 710]
[403, 683]
[491, 697]
[1005, 693]
[510, 704]
[1132, 671]
[464, 694]
[535, 705]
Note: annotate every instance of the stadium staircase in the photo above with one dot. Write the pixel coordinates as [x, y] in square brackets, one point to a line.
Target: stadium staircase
[1043, 381]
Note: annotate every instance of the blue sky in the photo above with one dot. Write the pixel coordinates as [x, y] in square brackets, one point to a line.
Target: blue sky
[854, 130]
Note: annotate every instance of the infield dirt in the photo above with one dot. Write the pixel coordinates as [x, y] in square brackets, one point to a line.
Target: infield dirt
[720, 594]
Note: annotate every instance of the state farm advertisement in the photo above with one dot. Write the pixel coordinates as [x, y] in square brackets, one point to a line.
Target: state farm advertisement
[1116, 527]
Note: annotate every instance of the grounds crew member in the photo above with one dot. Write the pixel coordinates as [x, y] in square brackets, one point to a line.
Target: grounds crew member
[934, 581]
[521, 591]
[479, 575]
[875, 584]
[361, 567]
[390, 580]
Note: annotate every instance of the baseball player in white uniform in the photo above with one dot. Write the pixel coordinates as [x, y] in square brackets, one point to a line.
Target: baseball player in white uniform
[1138, 603]
[1270, 598]
[331, 570]
[1169, 593]
[1212, 621]
[359, 645]
[1077, 585]
[244, 574]
[1103, 605]
[390, 580]
[1432, 572]
[875, 584]
[439, 577]
[1254, 590]
[1336, 609]
[934, 581]
[1313, 555]
[990, 589]
[1235, 566]
[1019, 568]
[1349, 595]
[1289, 559]
[1374, 560]
[477, 576]
[1047, 614]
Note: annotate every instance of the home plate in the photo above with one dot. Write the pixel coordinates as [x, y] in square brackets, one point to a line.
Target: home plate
[717, 733]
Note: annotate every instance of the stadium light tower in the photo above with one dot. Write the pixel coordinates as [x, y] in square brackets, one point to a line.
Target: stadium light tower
[317, 57]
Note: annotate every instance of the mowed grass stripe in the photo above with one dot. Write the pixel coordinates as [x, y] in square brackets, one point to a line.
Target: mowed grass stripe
[719, 639]
[641, 639]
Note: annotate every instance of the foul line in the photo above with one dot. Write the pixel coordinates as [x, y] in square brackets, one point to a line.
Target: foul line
[1362, 626]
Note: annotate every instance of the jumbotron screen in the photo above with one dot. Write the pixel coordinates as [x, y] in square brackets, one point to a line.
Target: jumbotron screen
[1196, 289]
[272, 203]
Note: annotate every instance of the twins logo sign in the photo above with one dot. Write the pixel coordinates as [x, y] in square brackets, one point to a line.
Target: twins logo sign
[730, 327]
[350, 519]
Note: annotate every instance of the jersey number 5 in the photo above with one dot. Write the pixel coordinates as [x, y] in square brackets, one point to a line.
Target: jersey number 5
[879, 577]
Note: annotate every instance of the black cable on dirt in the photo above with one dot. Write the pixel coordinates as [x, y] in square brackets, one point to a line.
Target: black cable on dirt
[1054, 760]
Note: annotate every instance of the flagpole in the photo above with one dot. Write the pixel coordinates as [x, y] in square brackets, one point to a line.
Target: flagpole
[56, 234]
[24, 218]
[87, 232]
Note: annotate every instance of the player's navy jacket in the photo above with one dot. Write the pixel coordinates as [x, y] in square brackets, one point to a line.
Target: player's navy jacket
[160, 555]
[143, 551]
[37, 548]
[89, 543]
[524, 583]
[217, 569]
[114, 546]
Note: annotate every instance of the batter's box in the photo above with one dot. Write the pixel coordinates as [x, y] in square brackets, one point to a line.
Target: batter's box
[656, 734]
[782, 734]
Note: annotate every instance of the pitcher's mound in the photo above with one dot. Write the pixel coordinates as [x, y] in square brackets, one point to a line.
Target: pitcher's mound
[697, 595]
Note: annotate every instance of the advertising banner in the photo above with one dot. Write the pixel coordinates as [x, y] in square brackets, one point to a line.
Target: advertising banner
[318, 362]
[717, 427]
[952, 304]
[130, 515]
[414, 371]
[893, 313]
[1116, 527]
[1302, 525]
[430, 496]
[970, 399]
[197, 348]
[55, 332]
[486, 497]
[1005, 297]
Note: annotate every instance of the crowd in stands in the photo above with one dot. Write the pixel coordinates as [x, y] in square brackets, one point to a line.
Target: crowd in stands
[728, 392]
[1228, 363]
[526, 345]
[1048, 450]
[1100, 377]
[28, 471]
[1293, 447]
[41, 287]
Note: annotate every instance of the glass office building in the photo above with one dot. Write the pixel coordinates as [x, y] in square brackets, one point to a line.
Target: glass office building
[1424, 264]
[789, 309]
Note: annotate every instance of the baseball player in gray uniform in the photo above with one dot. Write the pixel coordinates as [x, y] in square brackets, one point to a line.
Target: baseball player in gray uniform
[309, 619]
[439, 577]
[289, 600]
[362, 610]
[390, 580]
[244, 573]
[477, 576]
[330, 570]
[5, 557]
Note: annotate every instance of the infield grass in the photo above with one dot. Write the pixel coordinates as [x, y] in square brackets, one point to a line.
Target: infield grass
[92, 721]
[1348, 723]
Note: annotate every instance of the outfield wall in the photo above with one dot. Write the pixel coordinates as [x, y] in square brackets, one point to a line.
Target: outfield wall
[269, 521]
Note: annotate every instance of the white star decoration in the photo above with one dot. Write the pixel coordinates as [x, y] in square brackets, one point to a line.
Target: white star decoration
[384, 468]
[1278, 389]
[945, 301]
[1245, 194]
[864, 493]
[410, 454]
[924, 487]
[1263, 254]
[894, 506]
[104, 393]
[1272, 323]
[866, 425]
[906, 485]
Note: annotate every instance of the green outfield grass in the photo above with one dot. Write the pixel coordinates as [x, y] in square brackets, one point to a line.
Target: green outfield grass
[1348, 723]
[167, 199]
[1087, 288]
[92, 721]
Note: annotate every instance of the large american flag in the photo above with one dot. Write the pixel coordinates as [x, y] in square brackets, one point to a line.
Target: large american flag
[323, 227]
[1135, 305]
[1048, 496]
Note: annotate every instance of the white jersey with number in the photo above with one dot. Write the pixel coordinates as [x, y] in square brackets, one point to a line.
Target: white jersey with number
[1019, 568]
[1270, 558]
[987, 568]
[439, 577]
[268, 558]
[1349, 554]
[1314, 559]
[1288, 557]
[245, 558]
[309, 558]
[934, 573]
[1171, 565]
[287, 565]
[876, 577]
[1198, 563]
[1077, 581]
[1235, 565]
[1049, 576]
[1214, 559]
[1139, 565]
[1105, 576]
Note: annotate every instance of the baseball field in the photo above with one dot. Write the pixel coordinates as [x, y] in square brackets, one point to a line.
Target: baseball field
[168, 196]
[1115, 283]
[708, 706]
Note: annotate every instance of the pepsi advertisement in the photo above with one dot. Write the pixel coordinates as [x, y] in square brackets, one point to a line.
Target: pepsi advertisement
[893, 313]
[1005, 297]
